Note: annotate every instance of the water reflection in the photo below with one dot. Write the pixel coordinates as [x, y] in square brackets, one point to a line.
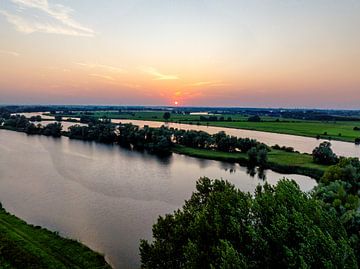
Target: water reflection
[300, 143]
[106, 196]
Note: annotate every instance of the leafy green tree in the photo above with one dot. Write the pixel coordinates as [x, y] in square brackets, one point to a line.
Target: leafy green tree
[52, 129]
[252, 156]
[339, 189]
[166, 115]
[323, 154]
[262, 157]
[33, 129]
[222, 227]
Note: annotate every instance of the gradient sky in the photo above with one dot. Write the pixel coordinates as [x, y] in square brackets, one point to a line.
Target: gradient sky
[269, 53]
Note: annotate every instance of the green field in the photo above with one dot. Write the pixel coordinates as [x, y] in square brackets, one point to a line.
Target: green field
[278, 160]
[27, 246]
[340, 130]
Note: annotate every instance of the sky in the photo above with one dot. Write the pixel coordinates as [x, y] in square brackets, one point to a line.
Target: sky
[246, 53]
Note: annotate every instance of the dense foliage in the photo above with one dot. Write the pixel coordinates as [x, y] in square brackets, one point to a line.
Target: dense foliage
[156, 140]
[160, 140]
[323, 154]
[222, 227]
[22, 124]
[339, 189]
[166, 115]
[104, 133]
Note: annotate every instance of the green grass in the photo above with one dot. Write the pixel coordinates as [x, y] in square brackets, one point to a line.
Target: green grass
[278, 160]
[27, 246]
[340, 130]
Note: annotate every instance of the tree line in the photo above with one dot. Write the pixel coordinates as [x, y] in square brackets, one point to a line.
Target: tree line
[161, 140]
[22, 124]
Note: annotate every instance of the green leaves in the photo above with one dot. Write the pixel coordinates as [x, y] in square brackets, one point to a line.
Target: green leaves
[222, 227]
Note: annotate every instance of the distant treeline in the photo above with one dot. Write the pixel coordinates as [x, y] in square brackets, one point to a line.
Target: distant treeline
[303, 114]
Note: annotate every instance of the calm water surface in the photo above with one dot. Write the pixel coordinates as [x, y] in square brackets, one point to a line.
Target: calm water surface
[105, 196]
[300, 143]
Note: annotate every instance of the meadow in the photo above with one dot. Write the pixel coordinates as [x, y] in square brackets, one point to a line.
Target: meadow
[28, 246]
[333, 130]
[278, 160]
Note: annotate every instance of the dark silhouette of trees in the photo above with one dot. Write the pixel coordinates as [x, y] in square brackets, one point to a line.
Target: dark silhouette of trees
[35, 118]
[52, 129]
[255, 118]
[104, 133]
[323, 154]
[166, 116]
[58, 117]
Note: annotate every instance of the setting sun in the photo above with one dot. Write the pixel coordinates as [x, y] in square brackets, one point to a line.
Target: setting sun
[176, 103]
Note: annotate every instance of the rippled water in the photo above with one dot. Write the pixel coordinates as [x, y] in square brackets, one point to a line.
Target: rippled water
[105, 196]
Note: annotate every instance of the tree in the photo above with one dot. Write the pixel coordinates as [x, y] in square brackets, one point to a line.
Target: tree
[323, 154]
[262, 157]
[52, 129]
[255, 118]
[58, 118]
[166, 116]
[339, 189]
[222, 227]
[252, 156]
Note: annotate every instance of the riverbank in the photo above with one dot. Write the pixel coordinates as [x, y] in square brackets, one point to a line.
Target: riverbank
[26, 246]
[333, 130]
[278, 160]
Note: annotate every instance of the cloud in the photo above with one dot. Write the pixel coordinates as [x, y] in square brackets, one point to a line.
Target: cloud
[157, 75]
[102, 66]
[208, 84]
[54, 19]
[106, 77]
[8, 52]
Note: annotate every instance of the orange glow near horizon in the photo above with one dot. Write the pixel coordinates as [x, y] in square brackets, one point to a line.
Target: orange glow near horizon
[271, 53]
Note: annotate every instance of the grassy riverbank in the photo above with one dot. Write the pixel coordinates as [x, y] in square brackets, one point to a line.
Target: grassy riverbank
[335, 130]
[26, 246]
[278, 161]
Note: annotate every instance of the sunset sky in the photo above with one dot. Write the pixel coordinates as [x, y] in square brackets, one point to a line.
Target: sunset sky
[254, 53]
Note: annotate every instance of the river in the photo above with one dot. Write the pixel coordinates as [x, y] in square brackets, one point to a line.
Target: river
[300, 143]
[105, 196]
